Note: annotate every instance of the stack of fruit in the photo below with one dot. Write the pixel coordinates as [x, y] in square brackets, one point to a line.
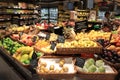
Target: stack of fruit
[10, 45]
[94, 35]
[24, 54]
[84, 42]
[14, 28]
[111, 56]
[92, 66]
[44, 46]
[116, 39]
[55, 65]
[28, 39]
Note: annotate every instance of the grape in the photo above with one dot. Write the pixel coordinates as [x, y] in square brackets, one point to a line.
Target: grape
[115, 57]
[107, 58]
[113, 61]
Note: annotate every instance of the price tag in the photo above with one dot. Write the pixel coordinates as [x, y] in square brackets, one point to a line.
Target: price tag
[47, 36]
[34, 38]
[34, 56]
[53, 45]
[61, 39]
[80, 62]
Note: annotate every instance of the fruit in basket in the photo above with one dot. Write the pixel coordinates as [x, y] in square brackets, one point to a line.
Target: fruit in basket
[89, 62]
[25, 50]
[99, 63]
[110, 55]
[93, 35]
[101, 69]
[79, 43]
[57, 71]
[65, 68]
[10, 45]
[15, 36]
[27, 61]
[92, 68]
[51, 67]
[24, 54]
[24, 57]
[43, 64]
[61, 62]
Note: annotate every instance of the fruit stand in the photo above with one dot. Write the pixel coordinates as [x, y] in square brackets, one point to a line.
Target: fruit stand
[51, 56]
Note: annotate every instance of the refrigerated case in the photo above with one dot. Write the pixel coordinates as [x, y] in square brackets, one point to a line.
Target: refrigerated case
[49, 14]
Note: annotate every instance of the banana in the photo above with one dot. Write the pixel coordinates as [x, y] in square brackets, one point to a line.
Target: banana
[30, 55]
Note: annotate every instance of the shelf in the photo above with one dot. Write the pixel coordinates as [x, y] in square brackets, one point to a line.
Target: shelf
[7, 7]
[8, 19]
[18, 13]
[83, 10]
[27, 19]
[81, 16]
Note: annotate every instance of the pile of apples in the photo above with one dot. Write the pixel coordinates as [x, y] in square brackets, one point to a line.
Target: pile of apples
[116, 39]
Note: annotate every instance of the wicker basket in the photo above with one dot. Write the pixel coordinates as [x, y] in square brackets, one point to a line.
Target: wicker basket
[97, 76]
[78, 50]
[56, 76]
[115, 65]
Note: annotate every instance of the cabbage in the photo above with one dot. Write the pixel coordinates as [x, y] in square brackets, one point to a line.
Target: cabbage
[99, 63]
[92, 68]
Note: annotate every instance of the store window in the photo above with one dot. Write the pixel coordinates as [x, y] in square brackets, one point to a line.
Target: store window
[49, 14]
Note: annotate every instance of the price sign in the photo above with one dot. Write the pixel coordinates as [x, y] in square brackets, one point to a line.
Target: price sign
[47, 36]
[80, 62]
[61, 39]
[53, 45]
[34, 39]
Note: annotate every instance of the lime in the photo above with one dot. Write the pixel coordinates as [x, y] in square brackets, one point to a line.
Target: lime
[38, 54]
[27, 61]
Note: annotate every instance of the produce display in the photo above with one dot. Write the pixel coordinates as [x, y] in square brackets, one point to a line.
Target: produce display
[10, 45]
[94, 66]
[16, 28]
[27, 39]
[34, 47]
[85, 42]
[44, 46]
[94, 35]
[91, 66]
[24, 54]
[116, 39]
[111, 56]
[55, 65]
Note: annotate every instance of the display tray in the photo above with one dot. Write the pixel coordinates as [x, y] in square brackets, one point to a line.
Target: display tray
[56, 74]
[115, 65]
[78, 50]
[110, 74]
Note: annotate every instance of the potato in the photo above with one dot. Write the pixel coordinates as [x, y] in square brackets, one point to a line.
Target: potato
[61, 71]
[62, 60]
[61, 63]
[51, 67]
[65, 68]
[46, 70]
[42, 71]
[57, 71]
[42, 67]
[43, 64]
[51, 71]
